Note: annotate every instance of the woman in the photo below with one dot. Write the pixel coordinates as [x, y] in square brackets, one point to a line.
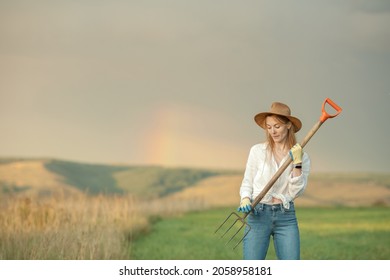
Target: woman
[275, 214]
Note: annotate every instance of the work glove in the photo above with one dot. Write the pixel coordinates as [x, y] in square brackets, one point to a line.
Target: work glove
[245, 205]
[296, 153]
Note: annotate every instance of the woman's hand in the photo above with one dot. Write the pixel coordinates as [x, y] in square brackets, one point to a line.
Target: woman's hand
[245, 205]
[296, 153]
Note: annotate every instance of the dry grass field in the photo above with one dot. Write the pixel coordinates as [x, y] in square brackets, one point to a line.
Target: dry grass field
[68, 227]
[43, 217]
[80, 226]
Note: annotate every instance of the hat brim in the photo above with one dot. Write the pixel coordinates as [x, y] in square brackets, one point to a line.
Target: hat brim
[260, 120]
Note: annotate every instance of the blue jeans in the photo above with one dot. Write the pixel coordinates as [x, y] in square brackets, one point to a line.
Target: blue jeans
[272, 220]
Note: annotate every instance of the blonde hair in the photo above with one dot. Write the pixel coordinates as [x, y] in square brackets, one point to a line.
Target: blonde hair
[291, 139]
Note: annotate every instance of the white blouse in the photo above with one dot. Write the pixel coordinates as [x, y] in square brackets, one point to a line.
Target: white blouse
[260, 168]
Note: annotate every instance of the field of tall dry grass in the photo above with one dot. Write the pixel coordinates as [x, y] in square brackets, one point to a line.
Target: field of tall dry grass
[60, 227]
[79, 226]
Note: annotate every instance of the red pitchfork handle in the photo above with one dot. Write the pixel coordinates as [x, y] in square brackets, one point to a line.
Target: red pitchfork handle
[325, 115]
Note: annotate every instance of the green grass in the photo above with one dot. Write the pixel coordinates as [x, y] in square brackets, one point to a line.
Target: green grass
[326, 234]
[190, 236]
[345, 233]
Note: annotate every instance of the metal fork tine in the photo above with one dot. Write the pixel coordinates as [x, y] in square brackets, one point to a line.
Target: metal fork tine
[235, 233]
[229, 228]
[249, 229]
[238, 219]
[224, 222]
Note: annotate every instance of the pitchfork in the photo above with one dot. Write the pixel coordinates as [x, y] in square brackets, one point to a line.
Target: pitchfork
[241, 219]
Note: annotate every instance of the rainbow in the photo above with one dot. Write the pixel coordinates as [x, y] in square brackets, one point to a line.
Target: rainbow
[174, 138]
[163, 138]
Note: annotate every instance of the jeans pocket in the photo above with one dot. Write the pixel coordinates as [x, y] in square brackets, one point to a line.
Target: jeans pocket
[257, 210]
[290, 211]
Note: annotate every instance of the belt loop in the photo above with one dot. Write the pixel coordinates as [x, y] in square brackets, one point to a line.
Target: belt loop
[281, 207]
[261, 206]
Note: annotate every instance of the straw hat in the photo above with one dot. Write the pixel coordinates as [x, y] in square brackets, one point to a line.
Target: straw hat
[279, 109]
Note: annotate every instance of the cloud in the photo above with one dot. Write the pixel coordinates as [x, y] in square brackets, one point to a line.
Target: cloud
[103, 69]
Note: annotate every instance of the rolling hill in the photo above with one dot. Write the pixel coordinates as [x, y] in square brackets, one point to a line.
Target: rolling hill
[213, 188]
[327, 190]
[47, 176]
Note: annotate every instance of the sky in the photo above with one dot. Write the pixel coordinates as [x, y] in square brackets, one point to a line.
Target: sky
[178, 82]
